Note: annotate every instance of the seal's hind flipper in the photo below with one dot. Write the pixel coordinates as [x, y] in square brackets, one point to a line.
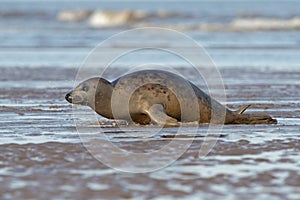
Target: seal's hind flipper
[158, 115]
[242, 109]
[254, 119]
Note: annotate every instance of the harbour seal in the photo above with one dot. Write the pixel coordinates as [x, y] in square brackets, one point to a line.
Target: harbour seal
[154, 100]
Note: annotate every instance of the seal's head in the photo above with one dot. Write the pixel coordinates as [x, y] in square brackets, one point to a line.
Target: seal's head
[89, 92]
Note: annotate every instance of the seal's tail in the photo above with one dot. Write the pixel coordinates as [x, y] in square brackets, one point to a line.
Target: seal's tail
[254, 119]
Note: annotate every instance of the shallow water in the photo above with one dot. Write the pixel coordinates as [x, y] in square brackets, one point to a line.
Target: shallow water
[42, 151]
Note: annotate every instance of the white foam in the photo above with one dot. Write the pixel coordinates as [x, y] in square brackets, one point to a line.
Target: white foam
[237, 24]
[241, 24]
[103, 18]
[73, 15]
[110, 18]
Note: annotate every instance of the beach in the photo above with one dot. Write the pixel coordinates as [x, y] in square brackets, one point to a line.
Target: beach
[42, 151]
[43, 156]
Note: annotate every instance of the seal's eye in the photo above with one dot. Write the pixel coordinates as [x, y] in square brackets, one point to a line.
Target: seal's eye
[85, 88]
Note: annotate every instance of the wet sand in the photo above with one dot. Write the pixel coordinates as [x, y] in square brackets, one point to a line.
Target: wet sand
[41, 151]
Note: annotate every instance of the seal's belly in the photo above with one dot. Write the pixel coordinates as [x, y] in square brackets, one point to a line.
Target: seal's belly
[149, 95]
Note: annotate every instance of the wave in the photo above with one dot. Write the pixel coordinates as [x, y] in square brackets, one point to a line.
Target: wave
[239, 24]
[265, 24]
[116, 18]
[109, 18]
[137, 18]
[73, 15]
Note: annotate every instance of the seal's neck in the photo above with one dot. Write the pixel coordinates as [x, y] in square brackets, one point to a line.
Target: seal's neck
[103, 94]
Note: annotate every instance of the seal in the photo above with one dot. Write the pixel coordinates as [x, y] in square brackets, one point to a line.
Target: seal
[160, 97]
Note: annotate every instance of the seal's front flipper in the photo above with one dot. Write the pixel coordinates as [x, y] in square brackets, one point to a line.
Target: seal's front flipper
[158, 115]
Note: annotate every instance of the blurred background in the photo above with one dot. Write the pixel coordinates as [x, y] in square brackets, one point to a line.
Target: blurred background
[254, 43]
[239, 33]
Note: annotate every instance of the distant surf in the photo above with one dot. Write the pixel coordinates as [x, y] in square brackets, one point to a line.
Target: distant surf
[110, 18]
[240, 24]
[139, 18]
[265, 24]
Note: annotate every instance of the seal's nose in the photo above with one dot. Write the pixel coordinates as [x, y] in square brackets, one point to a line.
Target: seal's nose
[68, 97]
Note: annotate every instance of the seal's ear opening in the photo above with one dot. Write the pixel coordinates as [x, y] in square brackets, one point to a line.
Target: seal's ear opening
[85, 88]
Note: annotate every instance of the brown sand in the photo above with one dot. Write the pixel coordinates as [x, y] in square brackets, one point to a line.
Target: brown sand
[48, 161]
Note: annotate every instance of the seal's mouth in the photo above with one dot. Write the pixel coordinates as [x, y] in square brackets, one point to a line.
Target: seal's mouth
[76, 97]
[68, 97]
